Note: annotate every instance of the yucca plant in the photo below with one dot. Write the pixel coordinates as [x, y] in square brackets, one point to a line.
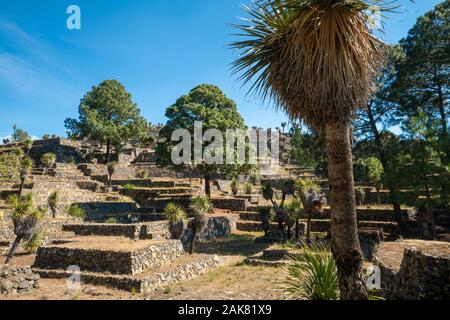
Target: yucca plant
[234, 186]
[176, 217]
[26, 164]
[319, 61]
[265, 214]
[310, 274]
[294, 210]
[111, 167]
[52, 202]
[312, 200]
[48, 160]
[268, 194]
[201, 206]
[34, 242]
[25, 218]
[248, 188]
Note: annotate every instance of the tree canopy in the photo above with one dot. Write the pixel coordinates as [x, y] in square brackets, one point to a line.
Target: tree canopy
[107, 113]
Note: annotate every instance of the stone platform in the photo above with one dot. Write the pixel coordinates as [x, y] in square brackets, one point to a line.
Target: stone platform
[113, 255]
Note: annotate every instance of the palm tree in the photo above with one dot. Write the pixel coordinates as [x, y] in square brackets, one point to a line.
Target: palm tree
[25, 219]
[201, 206]
[176, 216]
[294, 210]
[26, 164]
[318, 60]
[52, 202]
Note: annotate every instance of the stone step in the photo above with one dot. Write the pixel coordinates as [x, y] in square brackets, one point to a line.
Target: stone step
[114, 255]
[388, 228]
[185, 267]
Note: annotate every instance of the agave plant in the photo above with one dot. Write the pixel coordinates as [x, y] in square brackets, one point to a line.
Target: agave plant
[52, 202]
[176, 216]
[318, 60]
[25, 218]
[201, 207]
[311, 274]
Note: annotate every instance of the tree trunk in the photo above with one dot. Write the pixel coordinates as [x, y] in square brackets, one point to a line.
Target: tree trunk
[13, 249]
[297, 227]
[194, 235]
[344, 227]
[208, 186]
[108, 150]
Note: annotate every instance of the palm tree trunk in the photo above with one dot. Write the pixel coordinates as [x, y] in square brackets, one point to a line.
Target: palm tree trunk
[297, 227]
[13, 249]
[344, 228]
[108, 150]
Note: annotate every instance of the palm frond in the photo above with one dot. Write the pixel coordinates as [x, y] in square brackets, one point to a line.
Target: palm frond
[315, 59]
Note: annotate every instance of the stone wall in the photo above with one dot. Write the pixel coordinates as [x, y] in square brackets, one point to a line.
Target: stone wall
[230, 204]
[112, 261]
[421, 276]
[62, 148]
[17, 280]
[216, 227]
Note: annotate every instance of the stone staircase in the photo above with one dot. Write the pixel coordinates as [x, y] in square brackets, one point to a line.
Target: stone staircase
[249, 221]
[134, 258]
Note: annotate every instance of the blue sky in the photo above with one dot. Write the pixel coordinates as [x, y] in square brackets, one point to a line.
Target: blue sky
[158, 49]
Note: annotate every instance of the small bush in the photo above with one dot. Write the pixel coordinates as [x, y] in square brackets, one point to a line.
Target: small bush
[143, 174]
[71, 160]
[234, 187]
[129, 187]
[112, 221]
[76, 212]
[248, 188]
[36, 241]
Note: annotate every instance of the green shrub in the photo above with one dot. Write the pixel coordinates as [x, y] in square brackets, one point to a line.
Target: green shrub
[311, 274]
[76, 212]
[234, 186]
[248, 188]
[71, 160]
[129, 187]
[143, 174]
[112, 221]
[36, 241]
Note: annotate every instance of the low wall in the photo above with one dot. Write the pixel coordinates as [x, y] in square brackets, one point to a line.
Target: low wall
[230, 204]
[114, 262]
[421, 276]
